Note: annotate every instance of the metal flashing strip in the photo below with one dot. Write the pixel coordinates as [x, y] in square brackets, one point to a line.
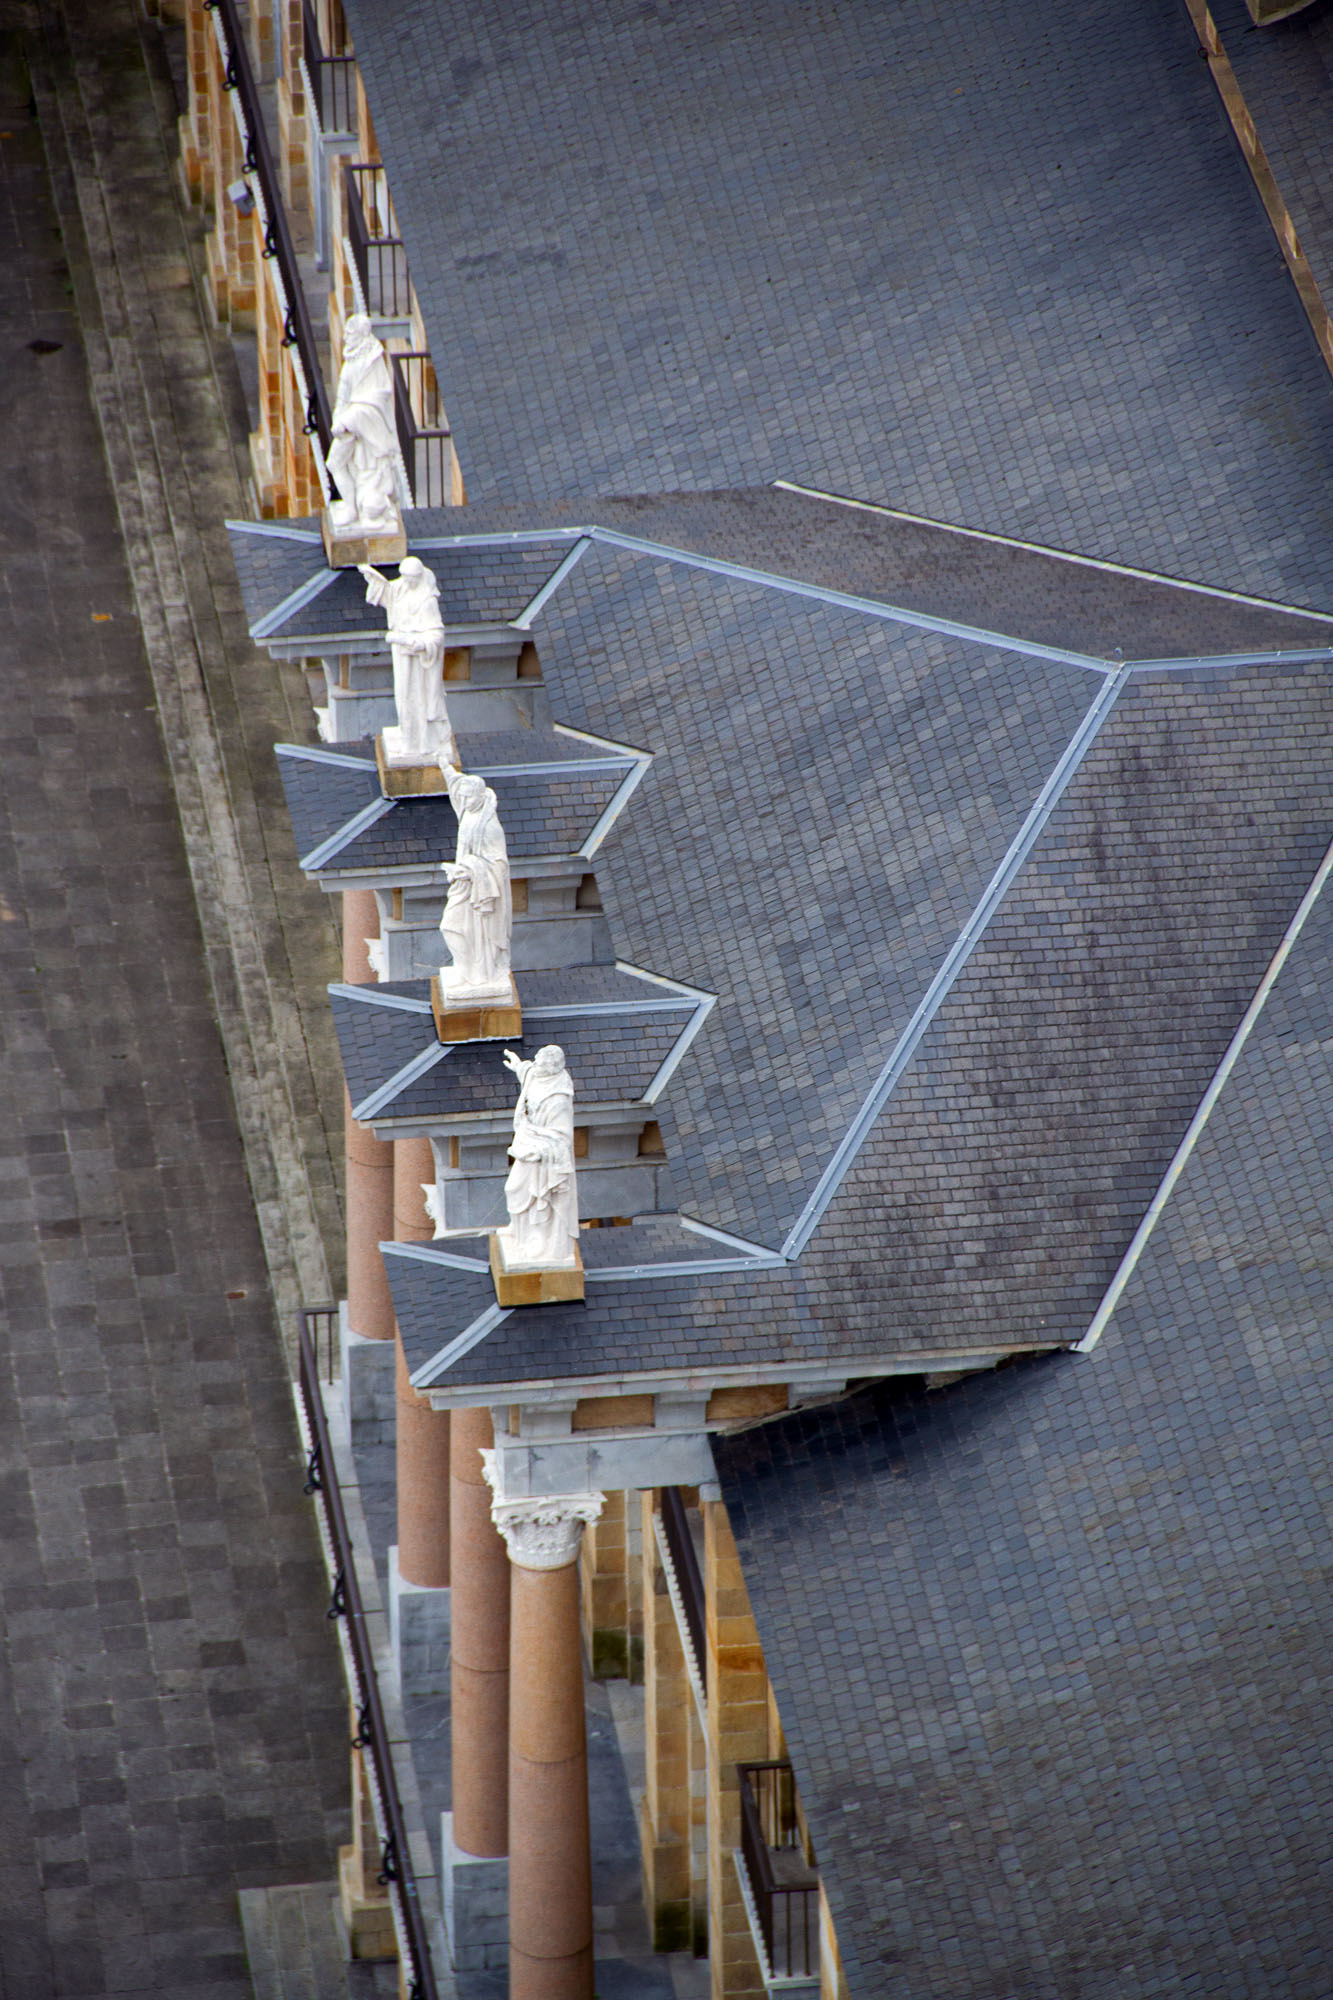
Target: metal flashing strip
[309, 753]
[959, 953]
[754, 1253]
[304, 594]
[841, 600]
[613, 1008]
[623, 793]
[1042, 549]
[463, 1343]
[372, 997]
[274, 531]
[501, 538]
[573, 767]
[676, 1056]
[702, 1267]
[427, 1253]
[319, 856]
[1180, 1159]
[380, 1098]
[523, 623]
[1218, 662]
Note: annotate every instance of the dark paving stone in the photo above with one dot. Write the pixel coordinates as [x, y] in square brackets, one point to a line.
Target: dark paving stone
[136, 1472]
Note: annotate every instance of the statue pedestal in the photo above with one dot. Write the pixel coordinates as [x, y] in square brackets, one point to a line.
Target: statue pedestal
[345, 551]
[475, 1020]
[534, 1288]
[408, 780]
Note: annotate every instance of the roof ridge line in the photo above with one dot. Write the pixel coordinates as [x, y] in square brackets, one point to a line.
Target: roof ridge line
[954, 961]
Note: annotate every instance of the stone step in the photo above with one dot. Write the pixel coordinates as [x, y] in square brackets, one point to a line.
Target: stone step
[295, 1951]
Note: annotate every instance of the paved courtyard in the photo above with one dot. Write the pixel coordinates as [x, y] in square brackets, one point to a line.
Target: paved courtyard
[172, 1723]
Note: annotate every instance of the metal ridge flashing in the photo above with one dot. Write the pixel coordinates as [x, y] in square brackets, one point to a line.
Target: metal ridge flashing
[384, 1094]
[340, 990]
[314, 753]
[1194, 1131]
[1044, 548]
[956, 958]
[336, 841]
[295, 600]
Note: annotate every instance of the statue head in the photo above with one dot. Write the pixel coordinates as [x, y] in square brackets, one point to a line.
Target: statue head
[358, 335]
[411, 567]
[472, 793]
[550, 1060]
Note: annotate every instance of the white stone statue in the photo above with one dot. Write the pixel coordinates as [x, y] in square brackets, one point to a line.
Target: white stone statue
[479, 909]
[363, 455]
[541, 1192]
[422, 734]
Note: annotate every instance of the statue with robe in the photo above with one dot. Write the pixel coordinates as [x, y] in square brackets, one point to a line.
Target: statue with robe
[422, 734]
[478, 917]
[541, 1192]
[363, 454]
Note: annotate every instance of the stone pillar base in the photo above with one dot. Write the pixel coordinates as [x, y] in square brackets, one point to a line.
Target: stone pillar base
[366, 1923]
[476, 1904]
[418, 1633]
[369, 1403]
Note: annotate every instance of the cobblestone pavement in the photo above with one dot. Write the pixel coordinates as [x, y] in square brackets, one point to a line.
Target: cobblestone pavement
[171, 1711]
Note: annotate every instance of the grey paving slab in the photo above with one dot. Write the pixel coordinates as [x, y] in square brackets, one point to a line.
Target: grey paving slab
[1073, 1733]
[174, 1722]
[1015, 278]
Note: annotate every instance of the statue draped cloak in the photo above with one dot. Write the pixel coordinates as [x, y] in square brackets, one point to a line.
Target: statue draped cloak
[541, 1191]
[478, 912]
[416, 641]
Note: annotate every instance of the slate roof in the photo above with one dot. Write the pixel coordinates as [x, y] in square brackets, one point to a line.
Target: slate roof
[817, 841]
[1069, 1740]
[1034, 595]
[1013, 279]
[544, 815]
[612, 1057]
[487, 586]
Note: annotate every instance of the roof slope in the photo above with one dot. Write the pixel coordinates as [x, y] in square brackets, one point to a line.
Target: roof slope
[1016, 278]
[1069, 1738]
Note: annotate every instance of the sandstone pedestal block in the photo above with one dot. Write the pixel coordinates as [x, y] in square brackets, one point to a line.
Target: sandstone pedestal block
[411, 780]
[534, 1288]
[347, 551]
[476, 1020]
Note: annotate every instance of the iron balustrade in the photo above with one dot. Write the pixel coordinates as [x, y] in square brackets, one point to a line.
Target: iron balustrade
[377, 248]
[372, 1735]
[297, 329]
[321, 1323]
[689, 1577]
[423, 435]
[332, 78]
[784, 1888]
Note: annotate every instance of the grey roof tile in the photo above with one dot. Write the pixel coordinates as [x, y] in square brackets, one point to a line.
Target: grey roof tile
[1068, 1735]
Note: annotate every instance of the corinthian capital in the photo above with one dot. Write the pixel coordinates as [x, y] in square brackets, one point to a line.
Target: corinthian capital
[545, 1533]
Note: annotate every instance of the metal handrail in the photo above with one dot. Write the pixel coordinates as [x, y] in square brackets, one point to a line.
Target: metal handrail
[297, 329]
[788, 1911]
[377, 250]
[372, 1735]
[425, 445]
[332, 85]
[689, 1577]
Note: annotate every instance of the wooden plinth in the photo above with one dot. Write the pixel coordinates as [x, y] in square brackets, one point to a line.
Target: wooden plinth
[534, 1288]
[476, 1020]
[346, 551]
[411, 781]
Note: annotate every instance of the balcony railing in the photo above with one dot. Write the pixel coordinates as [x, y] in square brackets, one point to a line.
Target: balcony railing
[784, 1887]
[331, 79]
[689, 1577]
[298, 331]
[377, 248]
[372, 1735]
[423, 434]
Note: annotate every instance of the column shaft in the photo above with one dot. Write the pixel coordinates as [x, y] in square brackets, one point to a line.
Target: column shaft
[479, 1660]
[369, 1160]
[550, 1875]
[423, 1433]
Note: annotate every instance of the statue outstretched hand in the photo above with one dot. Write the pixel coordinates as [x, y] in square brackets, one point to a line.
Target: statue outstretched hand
[515, 1063]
